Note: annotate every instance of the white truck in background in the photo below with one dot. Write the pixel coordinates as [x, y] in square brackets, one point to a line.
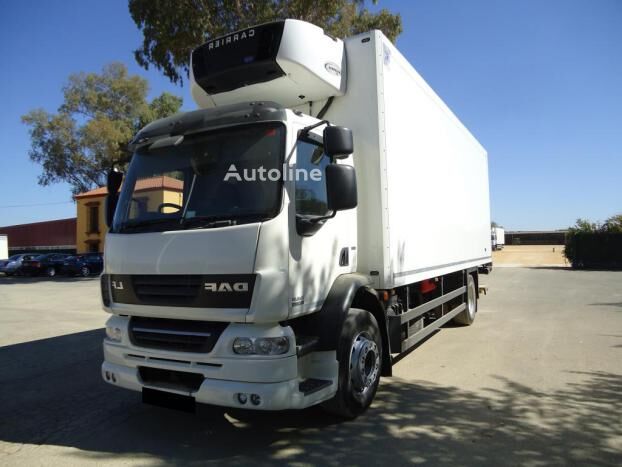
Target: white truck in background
[253, 284]
[498, 238]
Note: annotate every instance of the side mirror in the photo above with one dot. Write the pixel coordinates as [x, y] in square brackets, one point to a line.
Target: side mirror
[341, 187]
[113, 184]
[338, 141]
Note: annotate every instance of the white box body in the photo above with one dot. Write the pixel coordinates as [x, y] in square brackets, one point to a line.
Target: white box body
[498, 237]
[422, 178]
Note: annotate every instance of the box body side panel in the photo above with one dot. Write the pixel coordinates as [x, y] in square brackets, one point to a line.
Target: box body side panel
[437, 172]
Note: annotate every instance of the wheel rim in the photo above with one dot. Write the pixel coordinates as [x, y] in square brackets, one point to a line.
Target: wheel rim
[364, 363]
[51, 272]
[471, 299]
[85, 271]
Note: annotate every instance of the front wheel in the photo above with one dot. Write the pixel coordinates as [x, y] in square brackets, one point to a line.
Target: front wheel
[85, 271]
[359, 353]
[467, 317]
[50, 272]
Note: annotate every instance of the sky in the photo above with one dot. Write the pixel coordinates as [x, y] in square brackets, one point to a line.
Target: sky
[539, 84]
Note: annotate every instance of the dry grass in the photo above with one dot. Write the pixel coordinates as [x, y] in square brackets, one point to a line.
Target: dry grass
[530, 255]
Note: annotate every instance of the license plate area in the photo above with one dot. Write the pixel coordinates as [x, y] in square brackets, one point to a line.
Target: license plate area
[169, 400]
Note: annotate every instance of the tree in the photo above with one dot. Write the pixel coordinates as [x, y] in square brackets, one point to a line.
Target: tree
[584, 226]
[171, 29]
[613, 224]
[99, 116]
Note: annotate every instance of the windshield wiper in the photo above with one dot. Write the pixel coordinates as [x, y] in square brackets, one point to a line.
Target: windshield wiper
[138, 224]
[216, 221]
[207, 221]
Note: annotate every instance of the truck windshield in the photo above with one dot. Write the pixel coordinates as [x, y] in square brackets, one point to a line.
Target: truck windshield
[204, 182]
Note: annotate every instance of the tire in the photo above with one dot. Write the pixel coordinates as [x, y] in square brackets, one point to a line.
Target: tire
[85, 271]
[50, 271]
[467, 317]
[359, 353]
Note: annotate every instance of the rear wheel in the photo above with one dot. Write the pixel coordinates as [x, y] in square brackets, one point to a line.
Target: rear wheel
[85, 271]
[359, 354]
[50, 271]
[468, 315]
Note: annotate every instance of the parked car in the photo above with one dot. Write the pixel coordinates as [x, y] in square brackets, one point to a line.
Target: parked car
[83, 265]
[13, 265]
[49, 264]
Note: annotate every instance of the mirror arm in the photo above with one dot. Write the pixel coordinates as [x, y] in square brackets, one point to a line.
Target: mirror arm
[305, 131]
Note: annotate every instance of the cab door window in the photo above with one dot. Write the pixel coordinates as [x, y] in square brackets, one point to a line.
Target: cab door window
[311, 162]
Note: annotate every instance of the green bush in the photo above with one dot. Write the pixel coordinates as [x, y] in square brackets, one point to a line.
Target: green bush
[594, 245]
[594, 250]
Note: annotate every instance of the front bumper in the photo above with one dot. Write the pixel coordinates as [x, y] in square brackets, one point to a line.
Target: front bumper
[273, 396]
[274, 379]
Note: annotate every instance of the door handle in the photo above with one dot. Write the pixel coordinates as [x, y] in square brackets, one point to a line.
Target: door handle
[344, 257]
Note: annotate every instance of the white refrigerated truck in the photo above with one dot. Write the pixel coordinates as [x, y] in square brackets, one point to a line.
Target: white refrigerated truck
[4, 247]
[498, 238]
[247, 281]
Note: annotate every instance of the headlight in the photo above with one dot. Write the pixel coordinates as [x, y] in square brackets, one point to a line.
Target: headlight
[114, 333]
[261, 345]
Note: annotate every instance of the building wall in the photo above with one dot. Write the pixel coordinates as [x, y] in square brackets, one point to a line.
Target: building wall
[88, 239]
[150, 201]
[535, 237]
[57, 235]
[172, 197]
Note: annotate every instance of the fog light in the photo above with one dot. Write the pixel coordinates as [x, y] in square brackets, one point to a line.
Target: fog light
[242, 398]
[114, 333]
[255, 399]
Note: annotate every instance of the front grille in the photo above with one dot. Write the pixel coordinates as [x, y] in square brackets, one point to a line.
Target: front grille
[184, 290]
[166, 290]
[175, 334]
[181, 380]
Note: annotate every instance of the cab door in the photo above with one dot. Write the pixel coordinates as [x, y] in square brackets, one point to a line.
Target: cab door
[319, 250]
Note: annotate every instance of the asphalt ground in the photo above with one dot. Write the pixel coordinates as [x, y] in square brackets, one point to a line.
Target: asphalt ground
[536, 380]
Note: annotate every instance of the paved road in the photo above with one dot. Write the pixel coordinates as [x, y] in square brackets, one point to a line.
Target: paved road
[537, 380]
[37, 307]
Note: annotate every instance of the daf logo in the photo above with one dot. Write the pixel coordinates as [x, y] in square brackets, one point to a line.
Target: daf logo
[117, 285]
[238, 36]
[226, 287]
